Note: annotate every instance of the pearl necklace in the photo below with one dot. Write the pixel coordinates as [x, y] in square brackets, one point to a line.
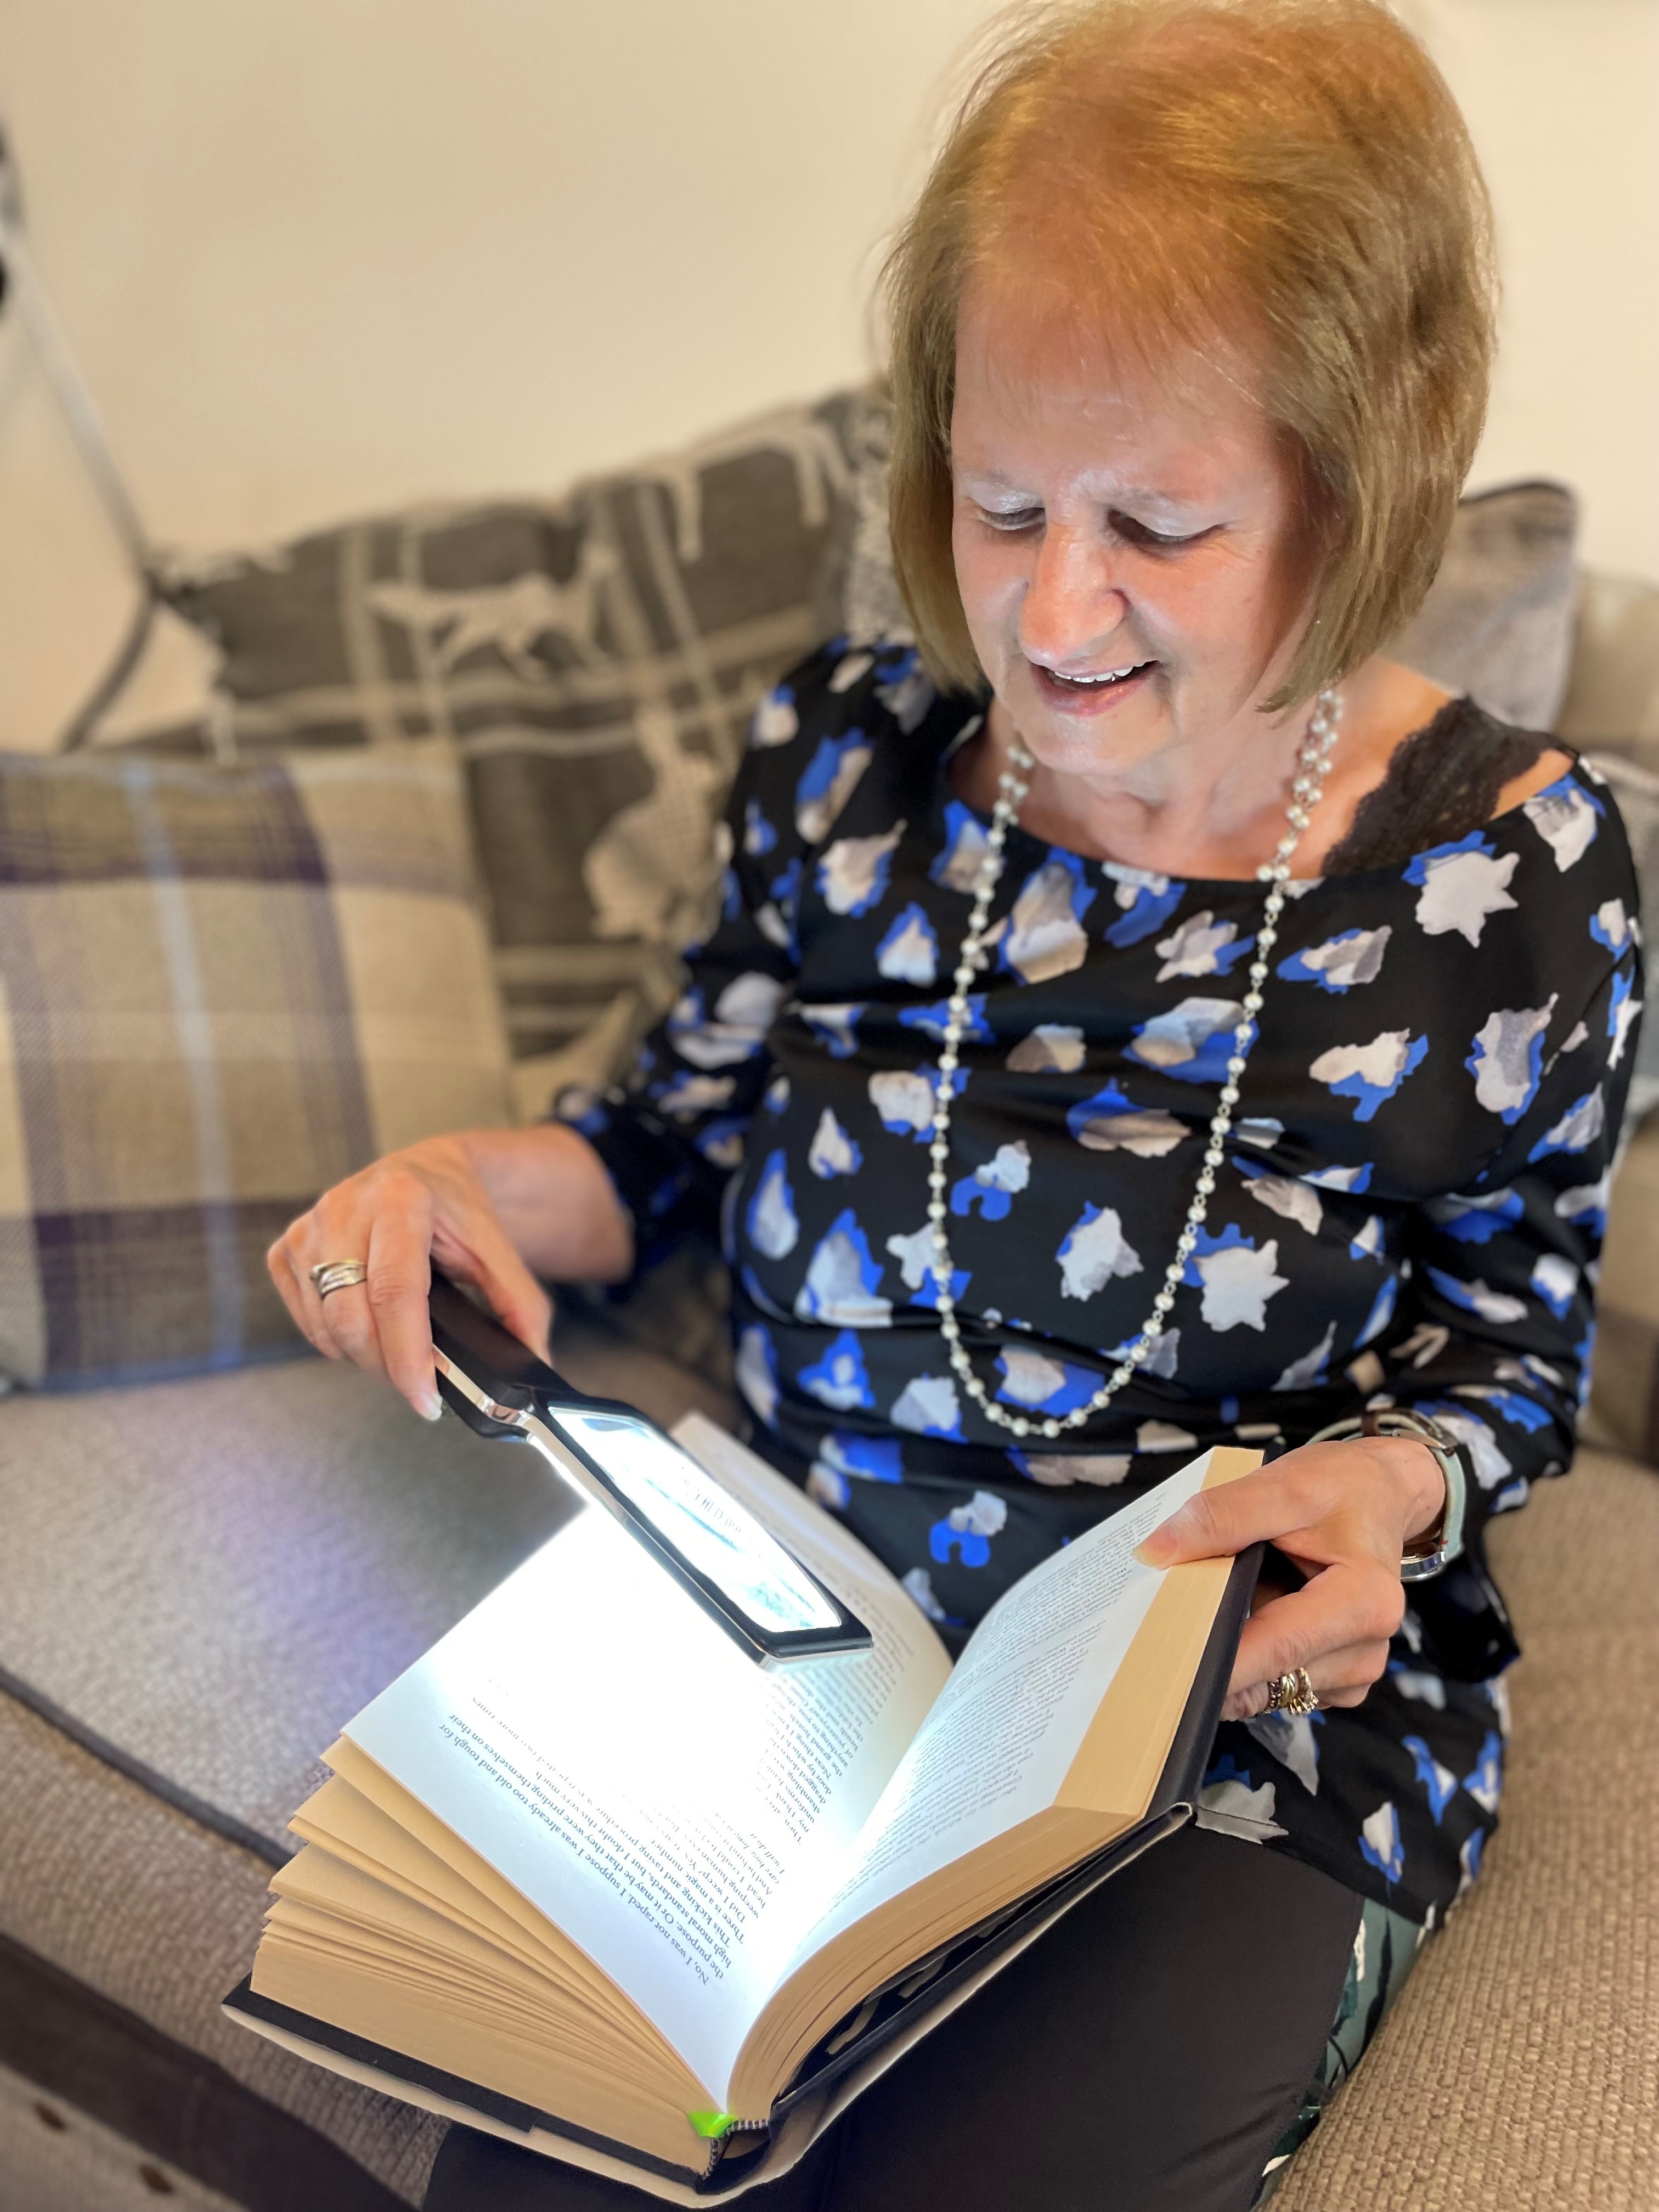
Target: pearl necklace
[1313, 762]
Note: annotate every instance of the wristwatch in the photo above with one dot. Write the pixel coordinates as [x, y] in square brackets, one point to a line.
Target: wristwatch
[1435, 1547]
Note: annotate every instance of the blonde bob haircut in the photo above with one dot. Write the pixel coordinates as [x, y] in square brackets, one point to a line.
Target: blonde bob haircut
[1281, 188]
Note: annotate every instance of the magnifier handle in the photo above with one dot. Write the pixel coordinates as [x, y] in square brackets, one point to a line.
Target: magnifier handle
[493, 1358]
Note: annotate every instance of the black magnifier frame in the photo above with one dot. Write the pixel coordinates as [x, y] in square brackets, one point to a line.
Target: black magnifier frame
[501, 1390]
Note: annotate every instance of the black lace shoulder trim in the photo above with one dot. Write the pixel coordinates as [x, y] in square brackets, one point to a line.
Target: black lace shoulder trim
[1443, 782]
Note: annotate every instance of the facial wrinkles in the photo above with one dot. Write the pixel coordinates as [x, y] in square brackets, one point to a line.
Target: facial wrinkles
[1065, 595]
[1072, 591]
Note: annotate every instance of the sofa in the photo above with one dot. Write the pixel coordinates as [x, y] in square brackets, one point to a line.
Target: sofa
[423, 856]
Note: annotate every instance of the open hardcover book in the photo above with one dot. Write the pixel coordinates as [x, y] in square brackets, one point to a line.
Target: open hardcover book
[587, 1877]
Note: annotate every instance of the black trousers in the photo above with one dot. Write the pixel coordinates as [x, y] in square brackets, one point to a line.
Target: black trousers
[1144, 2056]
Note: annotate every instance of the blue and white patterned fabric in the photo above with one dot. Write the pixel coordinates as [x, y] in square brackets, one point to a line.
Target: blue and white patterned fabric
[1410, 1211]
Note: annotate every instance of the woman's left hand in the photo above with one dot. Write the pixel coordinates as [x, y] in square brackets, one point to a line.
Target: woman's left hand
[1342, 1513]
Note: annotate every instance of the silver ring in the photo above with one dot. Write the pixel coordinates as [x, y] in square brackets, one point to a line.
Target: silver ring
[1292, 1694]
[330, 1275]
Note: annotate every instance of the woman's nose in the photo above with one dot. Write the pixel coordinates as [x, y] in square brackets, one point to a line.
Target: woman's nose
[1072, 604]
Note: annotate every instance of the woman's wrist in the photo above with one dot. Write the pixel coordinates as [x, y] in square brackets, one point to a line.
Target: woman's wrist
[1430, 1488]
[1419, 1478]
[555, 1199]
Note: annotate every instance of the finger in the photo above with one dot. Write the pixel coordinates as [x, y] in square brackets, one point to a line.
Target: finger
[341, 1225]
[399, 1282]
[1352, 1602]
[282, 1282]
[1341, 1679]
[287, 1271]
[281, 1271]
[294, 1286]
[483, 1255]
[1290, 1497]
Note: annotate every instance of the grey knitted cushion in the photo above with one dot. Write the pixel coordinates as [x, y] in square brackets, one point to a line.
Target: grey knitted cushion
[596, 655]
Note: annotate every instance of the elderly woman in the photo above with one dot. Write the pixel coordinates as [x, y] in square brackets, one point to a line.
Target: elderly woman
[1143, 1017]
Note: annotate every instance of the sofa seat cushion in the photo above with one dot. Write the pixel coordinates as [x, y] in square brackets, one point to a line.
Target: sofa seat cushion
[201, 1581]
[1517, 2072]
[256, 1554]
[151, 1916]
[259, 1554]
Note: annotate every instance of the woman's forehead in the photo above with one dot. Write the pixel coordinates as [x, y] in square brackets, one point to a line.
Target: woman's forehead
[1042, 388]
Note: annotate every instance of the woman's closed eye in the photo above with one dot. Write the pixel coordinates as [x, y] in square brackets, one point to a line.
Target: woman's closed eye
[1136, 532]
[1010, 520]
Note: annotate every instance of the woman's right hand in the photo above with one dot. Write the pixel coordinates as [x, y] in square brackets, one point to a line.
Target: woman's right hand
[441, 1201]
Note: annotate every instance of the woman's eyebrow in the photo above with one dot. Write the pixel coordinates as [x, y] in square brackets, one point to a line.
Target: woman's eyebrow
[1146, 501]
[1136, 496]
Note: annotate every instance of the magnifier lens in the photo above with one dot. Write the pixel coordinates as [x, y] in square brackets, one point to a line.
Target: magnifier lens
[702, 1521]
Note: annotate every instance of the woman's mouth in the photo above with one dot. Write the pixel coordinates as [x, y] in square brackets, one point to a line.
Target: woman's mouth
[1092, 694]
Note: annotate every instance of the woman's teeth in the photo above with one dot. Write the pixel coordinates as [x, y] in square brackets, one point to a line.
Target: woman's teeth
[1095, 682]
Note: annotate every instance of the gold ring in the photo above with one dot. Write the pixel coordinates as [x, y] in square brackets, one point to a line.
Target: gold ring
[1292, 1694]
[330, 1275]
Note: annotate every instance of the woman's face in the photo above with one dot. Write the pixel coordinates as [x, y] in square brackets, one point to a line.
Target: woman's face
[1125, 547]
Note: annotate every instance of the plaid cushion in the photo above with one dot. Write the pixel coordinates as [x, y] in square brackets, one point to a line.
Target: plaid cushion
[221, 990]
[596, 659]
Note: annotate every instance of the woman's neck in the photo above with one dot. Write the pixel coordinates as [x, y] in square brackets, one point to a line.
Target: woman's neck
[1213, 810]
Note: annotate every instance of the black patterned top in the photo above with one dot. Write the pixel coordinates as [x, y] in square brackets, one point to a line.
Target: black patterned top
[1409, 1212]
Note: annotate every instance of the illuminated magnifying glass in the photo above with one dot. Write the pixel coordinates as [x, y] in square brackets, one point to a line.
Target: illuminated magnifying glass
[769, 1604]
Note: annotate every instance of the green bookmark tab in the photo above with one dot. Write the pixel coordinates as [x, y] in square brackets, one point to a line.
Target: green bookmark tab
[712, 2126]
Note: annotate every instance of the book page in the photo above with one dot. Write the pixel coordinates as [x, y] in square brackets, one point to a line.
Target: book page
[1001, 1737]
[681, 1813]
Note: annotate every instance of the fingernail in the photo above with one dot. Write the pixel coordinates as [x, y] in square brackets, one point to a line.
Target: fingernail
[1152, 1551]
[431, 1408]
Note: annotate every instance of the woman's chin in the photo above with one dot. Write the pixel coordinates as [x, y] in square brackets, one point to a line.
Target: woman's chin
[1074, 737]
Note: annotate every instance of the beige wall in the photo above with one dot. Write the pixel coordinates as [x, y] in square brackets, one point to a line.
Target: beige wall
[321, 255]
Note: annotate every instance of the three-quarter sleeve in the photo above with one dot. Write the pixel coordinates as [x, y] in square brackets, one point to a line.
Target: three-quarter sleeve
[1495, 1335]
